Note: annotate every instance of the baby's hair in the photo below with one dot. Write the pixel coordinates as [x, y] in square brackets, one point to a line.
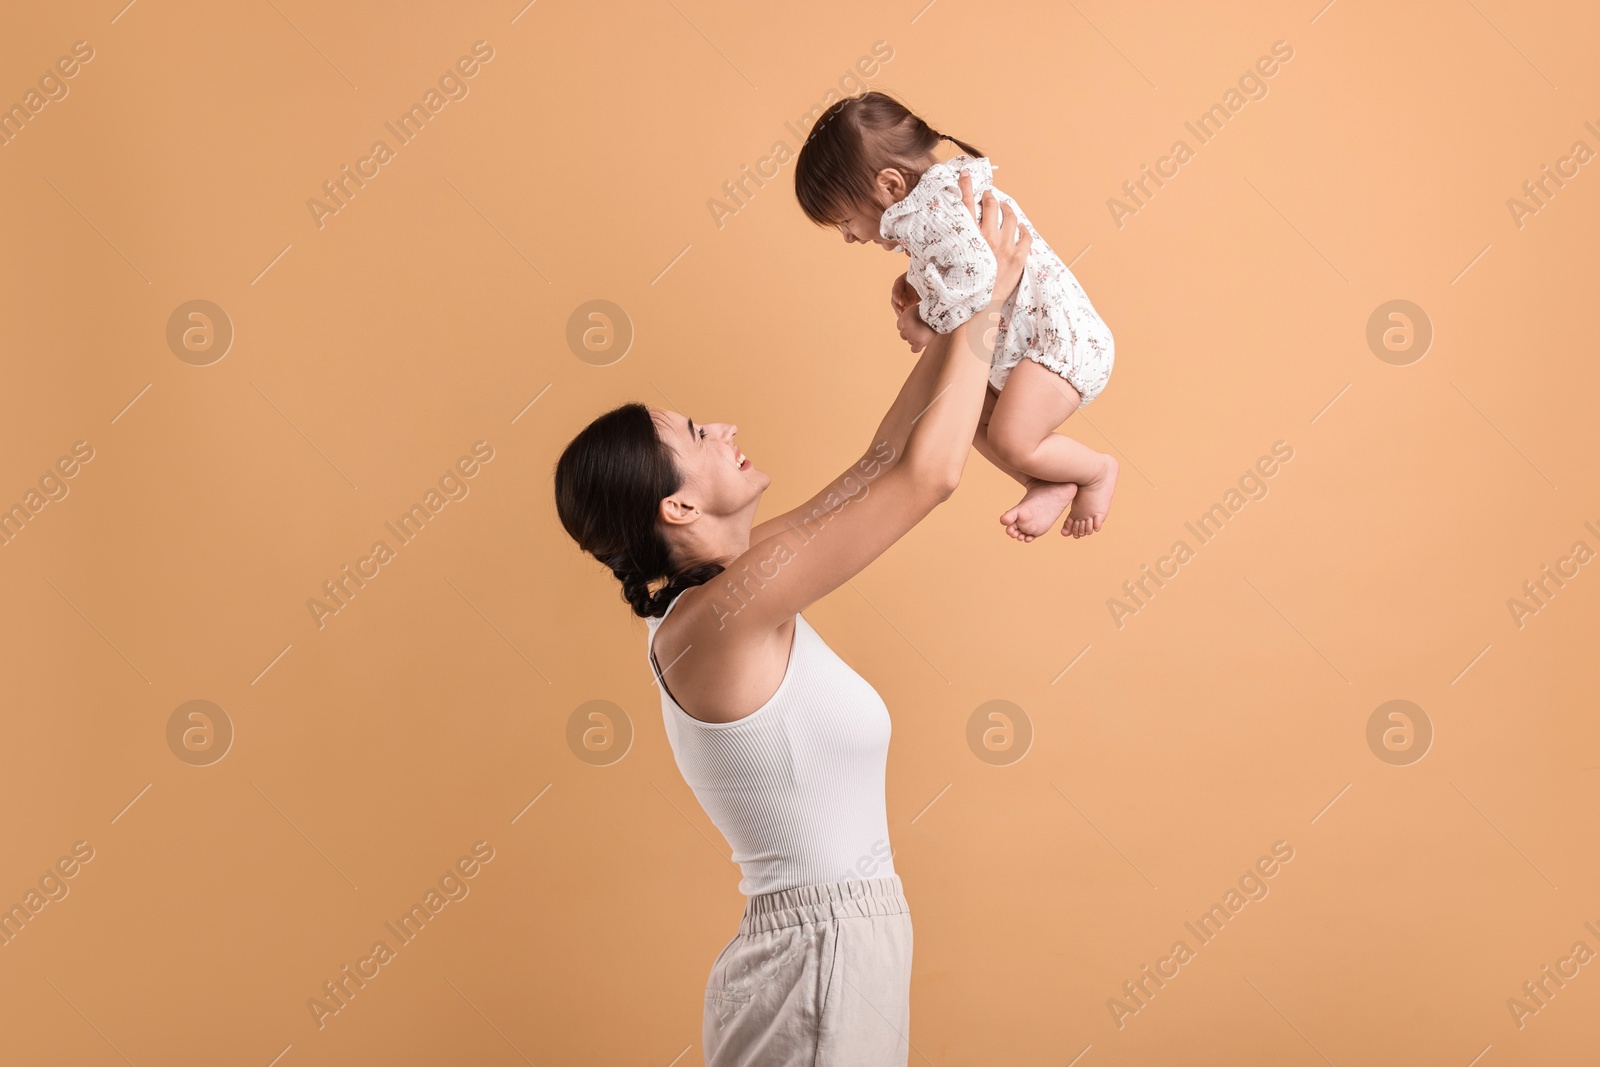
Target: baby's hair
[851, 142]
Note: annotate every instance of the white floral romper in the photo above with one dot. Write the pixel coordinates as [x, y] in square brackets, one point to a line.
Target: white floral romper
[953, 271]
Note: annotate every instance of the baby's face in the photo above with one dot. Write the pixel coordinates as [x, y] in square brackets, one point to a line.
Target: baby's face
[861, 227]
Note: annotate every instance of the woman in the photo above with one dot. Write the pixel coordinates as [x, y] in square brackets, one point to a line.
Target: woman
[783, 744]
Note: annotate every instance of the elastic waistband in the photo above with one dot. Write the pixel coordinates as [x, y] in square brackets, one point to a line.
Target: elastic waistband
[833, 900]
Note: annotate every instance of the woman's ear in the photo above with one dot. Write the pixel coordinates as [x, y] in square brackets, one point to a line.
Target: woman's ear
[678, 512]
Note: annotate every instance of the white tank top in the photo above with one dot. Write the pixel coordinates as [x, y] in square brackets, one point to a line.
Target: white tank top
[796, 786]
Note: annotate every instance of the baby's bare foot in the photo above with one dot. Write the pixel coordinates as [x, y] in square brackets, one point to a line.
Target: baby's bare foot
[1038, 509]
[1092, 502]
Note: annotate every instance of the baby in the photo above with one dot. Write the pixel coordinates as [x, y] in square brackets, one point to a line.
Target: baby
[868, 168]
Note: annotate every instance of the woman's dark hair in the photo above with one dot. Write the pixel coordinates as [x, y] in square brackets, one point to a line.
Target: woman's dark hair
[610, 481]
[850, 143]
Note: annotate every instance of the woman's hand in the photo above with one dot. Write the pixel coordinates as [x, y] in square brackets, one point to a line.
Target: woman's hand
[1010, 247]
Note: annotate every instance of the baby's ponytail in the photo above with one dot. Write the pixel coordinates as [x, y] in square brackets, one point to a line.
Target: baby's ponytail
[964, 146]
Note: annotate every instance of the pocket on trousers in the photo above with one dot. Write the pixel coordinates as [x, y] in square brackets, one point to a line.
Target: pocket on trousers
[722, 1005]
[726, 994]
[831, 984]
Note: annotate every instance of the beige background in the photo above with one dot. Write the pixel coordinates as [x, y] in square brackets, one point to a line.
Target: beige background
[431, 712]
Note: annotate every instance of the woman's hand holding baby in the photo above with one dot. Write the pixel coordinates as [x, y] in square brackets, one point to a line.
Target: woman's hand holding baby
[1010, 248]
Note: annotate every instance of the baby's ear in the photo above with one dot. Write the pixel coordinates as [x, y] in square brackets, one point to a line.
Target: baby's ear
[892, 182]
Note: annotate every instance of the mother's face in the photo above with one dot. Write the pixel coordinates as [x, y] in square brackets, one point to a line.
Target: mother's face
[717, 477]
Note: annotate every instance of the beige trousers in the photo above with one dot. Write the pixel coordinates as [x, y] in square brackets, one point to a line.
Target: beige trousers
[817, 976]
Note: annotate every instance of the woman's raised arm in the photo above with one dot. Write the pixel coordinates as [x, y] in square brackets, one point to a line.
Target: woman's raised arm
[922, 384]
[913, 464]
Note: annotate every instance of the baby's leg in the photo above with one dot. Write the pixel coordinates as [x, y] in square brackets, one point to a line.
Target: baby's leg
[1034, 402]
[1044, 501]
[980, 439]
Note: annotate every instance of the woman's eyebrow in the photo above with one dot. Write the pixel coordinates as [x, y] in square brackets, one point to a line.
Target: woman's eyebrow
[691, 425]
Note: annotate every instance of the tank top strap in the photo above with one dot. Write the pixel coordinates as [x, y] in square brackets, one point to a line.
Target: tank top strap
[654, 623]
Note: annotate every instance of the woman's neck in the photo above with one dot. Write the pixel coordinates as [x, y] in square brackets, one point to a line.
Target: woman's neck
[715, 540]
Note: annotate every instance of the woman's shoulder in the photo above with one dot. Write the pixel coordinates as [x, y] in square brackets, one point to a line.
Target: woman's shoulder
[730, 672]
[706, 616]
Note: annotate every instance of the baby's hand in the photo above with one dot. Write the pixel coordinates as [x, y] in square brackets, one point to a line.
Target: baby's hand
[902, 295]
[908, 320]
[913, 330]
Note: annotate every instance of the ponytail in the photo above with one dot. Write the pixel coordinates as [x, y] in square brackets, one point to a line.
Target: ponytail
[964, 146]
[610, 481]
[645, 604]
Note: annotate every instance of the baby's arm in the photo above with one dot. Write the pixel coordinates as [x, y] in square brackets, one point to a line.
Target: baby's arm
[952, 267]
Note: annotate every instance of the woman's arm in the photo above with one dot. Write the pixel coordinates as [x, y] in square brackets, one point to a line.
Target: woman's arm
[914, 464]
[889, 440]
